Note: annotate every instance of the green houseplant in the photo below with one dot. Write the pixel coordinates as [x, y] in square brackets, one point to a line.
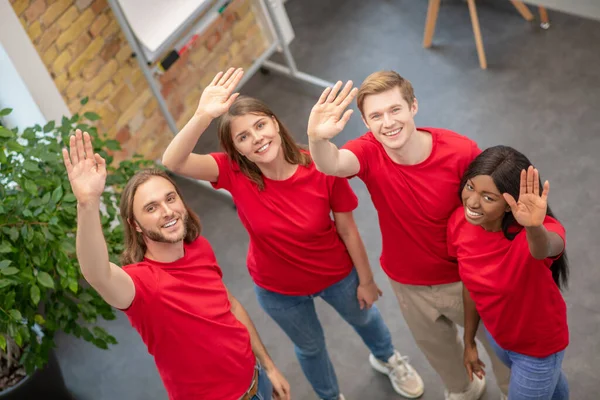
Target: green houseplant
[41, 287]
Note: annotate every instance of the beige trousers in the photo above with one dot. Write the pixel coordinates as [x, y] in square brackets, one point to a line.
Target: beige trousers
[432, 313]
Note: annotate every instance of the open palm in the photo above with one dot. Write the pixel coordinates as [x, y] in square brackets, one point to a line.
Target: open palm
[86, 170]
[329, 116]
[217, 97]
[530, 209]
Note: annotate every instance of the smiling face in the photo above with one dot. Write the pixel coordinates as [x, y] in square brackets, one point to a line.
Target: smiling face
[256, 137]
[389, 116]
[484, 204]
[159, 213]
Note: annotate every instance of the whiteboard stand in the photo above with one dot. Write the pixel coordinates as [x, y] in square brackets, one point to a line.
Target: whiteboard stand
[290, 70]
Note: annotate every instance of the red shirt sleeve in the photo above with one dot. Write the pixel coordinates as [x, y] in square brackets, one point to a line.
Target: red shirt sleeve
[224, 181]
[146, 284]
[359, 147]
[342, 197]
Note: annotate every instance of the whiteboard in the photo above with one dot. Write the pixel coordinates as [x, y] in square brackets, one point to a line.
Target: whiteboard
[154, 21]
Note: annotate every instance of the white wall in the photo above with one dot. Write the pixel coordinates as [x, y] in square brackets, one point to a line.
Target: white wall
[32, 81]
[582, 8]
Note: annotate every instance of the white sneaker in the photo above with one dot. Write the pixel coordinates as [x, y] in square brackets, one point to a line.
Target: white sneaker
[473, 392]
[405, 380]
[503, 396]
[341, 397]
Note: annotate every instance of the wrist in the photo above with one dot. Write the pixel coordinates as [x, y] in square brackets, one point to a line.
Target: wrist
[366, 282]
[470, 343]
[88, 203]
[202, 115]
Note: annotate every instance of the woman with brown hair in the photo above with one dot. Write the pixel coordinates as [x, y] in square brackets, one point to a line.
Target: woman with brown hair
[296, 251]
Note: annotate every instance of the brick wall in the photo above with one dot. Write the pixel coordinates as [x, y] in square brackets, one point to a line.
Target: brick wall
[83, 48]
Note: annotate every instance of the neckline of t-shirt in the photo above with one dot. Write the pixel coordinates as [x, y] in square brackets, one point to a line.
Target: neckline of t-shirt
[434, 140]
[289, 179]
[169, 264]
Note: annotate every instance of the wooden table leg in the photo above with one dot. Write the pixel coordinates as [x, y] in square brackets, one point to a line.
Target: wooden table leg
[545, 21]
[523, 10]
[477, 33]
[432, 14]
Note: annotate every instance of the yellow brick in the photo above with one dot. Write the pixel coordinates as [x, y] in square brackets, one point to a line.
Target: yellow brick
[102, 78]
[112, 28]
[35, 30]
[61, 82]
[150, 107]
[133, 108]
[105, 92]
[61, 62]
[234, 48]
[91, 69]
[108, 115]
[123, 97]
[89, 53]
[199, 56]
[48, 38]
[35, 10]
[49, 56]
[79, 45]
[101, 21]
[74, 89]
[54, 11]
[67, 18]
[20, 5]
[123, 75]
[77, 28]
[123, 54]
[192, 98]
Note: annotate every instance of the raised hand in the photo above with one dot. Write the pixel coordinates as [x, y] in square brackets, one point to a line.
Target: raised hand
[530, 209]
[86, 170]
[472, 362]
[217, 97]
[329, 116]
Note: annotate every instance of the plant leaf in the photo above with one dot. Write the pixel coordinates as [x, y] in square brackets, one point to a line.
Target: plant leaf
[9, 271]
[5, 247]
[30, 187]
[16, 314]
[84, 100]
[2, 343]
[31, 166]
[5, 111]
[35, 294]
[5, 263]
[92, 116]
[45, 279]
[49, 126]
[5, 283]
[5, 133]
[39, 319]
[57, 194]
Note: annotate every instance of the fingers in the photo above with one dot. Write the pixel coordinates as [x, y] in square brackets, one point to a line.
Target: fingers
[481, 363]
[362, 304]
[79, 145]
[530, 174]
[234, 79]
[380, 292]
[510, 200]
[100, 162]
[546, 191]
[67, 160]
[334, 91]
[346, 117]
[469, 371]
[536, 182]
[349, 98]
[87, 144]
[231, 99]
[324, 95]
[73, 149]
[226, 77]
[343, 94]
[216, 78]
[523, 185]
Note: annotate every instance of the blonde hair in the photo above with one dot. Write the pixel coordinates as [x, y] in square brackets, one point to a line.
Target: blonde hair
[135, 247]
[382, 81]
[243, 105]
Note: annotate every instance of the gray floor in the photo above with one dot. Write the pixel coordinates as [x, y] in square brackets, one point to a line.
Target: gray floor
[541, 94]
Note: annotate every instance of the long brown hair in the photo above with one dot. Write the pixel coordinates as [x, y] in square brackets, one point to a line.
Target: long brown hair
[243, 105]
[135, 247]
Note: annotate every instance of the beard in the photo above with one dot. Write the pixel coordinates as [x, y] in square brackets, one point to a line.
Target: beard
[157, 236]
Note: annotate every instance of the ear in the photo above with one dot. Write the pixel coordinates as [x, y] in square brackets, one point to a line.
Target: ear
[414, 109]
[135, 225]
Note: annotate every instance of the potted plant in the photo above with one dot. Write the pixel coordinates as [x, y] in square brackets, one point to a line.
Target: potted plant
[41, 287]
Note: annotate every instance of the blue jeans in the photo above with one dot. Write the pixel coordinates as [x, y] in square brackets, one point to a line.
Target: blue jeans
[297, 316]
[533, 378]
[265, 389]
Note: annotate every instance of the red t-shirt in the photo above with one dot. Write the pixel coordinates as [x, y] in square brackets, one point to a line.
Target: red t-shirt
[294, 246]
[413, 203]
[182, 312]
[515, 295]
